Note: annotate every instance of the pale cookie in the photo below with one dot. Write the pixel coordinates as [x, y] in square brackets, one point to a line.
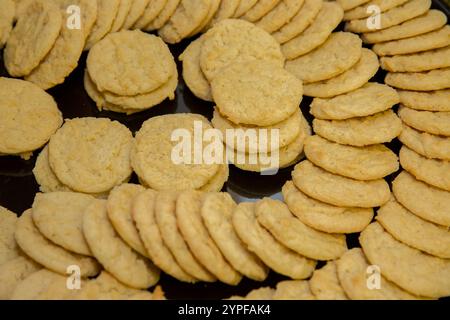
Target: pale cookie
[267, 248]
[353, 275]
[192, 73]
[59, 217]
[218, 181]
[325, 283]
[213, 8]
[414, 231]
[198, 239]
[260, 9]
[421, 81]
[151, 156]
[32, 38]
[119, 206]
[305, 16]
[291, 232]
[7, 13]
[316, 34]
[432, 171]
[430, 21]
[434, 205]
[136, 11]
[144, 217]
[380, 128]
[392, 17]
[47, 180]
[293, 290]
[424, 61]
[411, 269]
[13, 272]
[153, 9]
[29, 118]
[166, 219]
[115, 255]
[325, 217]
[350, 4]
[188, 15]
[243, 7]
[124, 9]
[257, 94]
[109, 68]
[217, 211]
[427, 121]
[425, 144]
[350, 80]
[369, 99]
[429, 101]
[91, 155]
[288, 130]
[8, 246]
[360, 163]
[279, 15]
[226, 10]
[53, 257]
[363, 12]
[424, 42]
[234, 41]
[107, 12]
[163, 16]
[340, 52]
[337, 190]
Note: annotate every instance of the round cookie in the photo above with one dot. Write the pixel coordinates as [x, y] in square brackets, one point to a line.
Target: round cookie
[7, 13]
[91, 155]
[327, 20]
[421, 81]
[256, 94]
[270, 251]
[435, 203]
[150, 13]
[325, 217]
[432, 171]
[325, 283]
[379, 128]
[340, 52]
[106, 13]
[369, 99]
[47, 180]
[217, 211]
[187, 16]
[360, 163]
[152, 67]
[363, 12]
[352, 272]
[151, 155]
[350, 4]
[409, 268]
[292, 233]
[425, 144]
[29, 118]
[430, 21]
[115, 255]
[284, 11]
[337, 190]
[234, 41]
[32, 38]
[119, 207]
[53, 257]
[144, 217]
[305, 16]
[136, 11]
[59, 217]
[428, 101]
[166, 219]
[414, 231]
[260, 9]
[427, 121]
[188, 212]
[218, 181]
[8, 246]
[122, 12]
[293, 290]
[13, 272]
[163, 16]
[243, 7]
[350, 80]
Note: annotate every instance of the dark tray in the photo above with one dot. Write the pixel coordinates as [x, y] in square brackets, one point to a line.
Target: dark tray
[18, 186]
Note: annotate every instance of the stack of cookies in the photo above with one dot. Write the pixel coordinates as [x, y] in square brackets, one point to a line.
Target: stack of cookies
[130, 71]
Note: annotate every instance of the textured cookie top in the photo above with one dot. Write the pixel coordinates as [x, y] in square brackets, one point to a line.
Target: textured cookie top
[7, 11]
[130, 63]
[29, 116]
[325, 283]
[8, 246]
[232, 41]
[432, 122]
[91, 155]
[257, 94]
